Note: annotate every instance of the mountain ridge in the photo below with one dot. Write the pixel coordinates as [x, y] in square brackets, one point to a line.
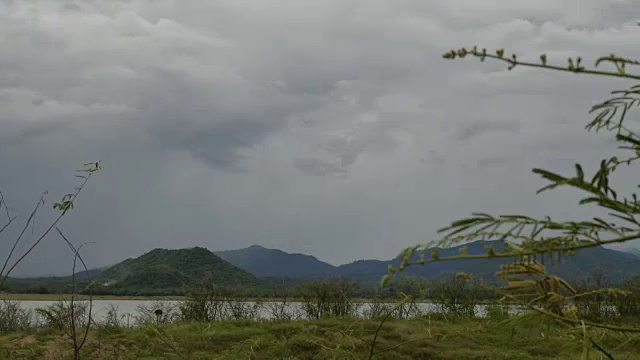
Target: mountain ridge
[572, 267]
[264, 262]
[164, 268]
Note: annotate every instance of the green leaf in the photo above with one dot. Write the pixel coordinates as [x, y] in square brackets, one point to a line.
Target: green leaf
[589, 200]
[579, 172]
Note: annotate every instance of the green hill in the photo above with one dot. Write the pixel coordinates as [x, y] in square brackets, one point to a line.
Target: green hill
[166, 272]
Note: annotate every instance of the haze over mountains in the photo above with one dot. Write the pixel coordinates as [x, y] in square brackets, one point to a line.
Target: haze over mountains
[263, 262]
[167, 272]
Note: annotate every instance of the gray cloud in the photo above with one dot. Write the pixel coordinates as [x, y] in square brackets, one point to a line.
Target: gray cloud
[211, 117]
[481, 127]
[318, 167]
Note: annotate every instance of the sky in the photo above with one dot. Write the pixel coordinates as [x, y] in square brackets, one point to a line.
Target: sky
[332, 128]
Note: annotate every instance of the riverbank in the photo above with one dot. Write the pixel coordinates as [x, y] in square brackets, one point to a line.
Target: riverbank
[66, 297]
[424, 338]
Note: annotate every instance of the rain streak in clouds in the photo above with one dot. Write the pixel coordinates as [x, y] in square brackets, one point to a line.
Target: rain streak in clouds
[331, 127]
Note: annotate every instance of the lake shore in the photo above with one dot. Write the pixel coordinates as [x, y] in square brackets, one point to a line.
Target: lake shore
[67, 297]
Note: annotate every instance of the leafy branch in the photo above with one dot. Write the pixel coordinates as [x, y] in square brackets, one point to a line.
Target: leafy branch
[540, 236]
[64, 206]
[574, 65]
[528, 240]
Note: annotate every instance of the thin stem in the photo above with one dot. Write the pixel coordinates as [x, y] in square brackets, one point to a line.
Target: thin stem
[384, 319]
[77, 346]
[15, 244]
[603, 351]
[55, 222]
[577, 70]
[528, 252]
[10, 219]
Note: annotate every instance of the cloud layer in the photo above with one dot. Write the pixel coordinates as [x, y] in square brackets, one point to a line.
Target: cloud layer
[327, 127]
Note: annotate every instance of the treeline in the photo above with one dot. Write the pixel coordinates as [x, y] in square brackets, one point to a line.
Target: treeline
[267, 289]
[618, 297]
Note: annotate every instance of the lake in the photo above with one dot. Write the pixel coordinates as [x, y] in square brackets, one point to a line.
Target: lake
[129, 311]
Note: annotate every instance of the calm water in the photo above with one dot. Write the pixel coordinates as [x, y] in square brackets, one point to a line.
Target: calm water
[128, 310]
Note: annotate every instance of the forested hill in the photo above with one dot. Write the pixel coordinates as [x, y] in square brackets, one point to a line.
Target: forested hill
[163, 269]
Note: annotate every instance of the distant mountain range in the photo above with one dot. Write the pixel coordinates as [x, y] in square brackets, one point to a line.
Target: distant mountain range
[164, 271]
[261, 262]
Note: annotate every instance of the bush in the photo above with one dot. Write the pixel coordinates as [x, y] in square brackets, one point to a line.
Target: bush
[497, 311]
[456, 296]
[217, 303]
[329, 298]
[158, 312]
[61, 315]
[628, 306]
[13, 317]
[113, 319]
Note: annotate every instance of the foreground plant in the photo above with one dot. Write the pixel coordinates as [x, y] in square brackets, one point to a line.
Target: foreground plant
[64, 206]
[61, 315]
[530, 242]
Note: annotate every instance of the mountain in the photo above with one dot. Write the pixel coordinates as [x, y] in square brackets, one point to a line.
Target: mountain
[265, 262]
[577, 267]
[632, 251]
[374, 270]
[173, 269]
[168, 272]
[268, 262]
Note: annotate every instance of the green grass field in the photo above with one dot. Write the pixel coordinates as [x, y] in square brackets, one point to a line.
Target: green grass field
[423, 338]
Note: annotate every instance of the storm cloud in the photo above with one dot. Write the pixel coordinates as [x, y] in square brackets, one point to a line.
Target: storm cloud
[330, 127]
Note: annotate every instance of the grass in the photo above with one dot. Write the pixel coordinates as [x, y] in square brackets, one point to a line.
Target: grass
[423, 338]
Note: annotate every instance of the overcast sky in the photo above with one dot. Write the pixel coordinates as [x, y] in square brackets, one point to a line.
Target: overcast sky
[329, 127]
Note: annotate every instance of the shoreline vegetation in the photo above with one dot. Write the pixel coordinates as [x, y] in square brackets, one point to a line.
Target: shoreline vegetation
[67, 297]
[328, 321]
